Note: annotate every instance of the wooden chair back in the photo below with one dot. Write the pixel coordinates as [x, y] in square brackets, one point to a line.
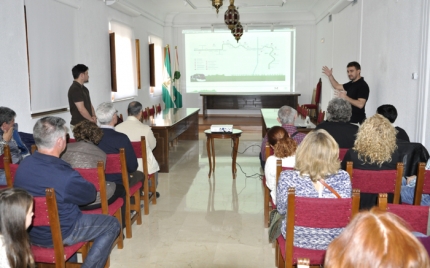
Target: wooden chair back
[9, 171]
[267, 200]
[416, 216]
[158, 108]
[145, 115]
[33, 148]
[96, 176]
[151, 110]
[376, 181]
[46, 214]
[140, 151]
[116, 163]
[422, 183]
[315, 213]
[321, 116]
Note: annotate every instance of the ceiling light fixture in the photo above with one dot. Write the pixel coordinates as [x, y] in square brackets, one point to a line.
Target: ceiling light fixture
[231, 16]
[217, 4]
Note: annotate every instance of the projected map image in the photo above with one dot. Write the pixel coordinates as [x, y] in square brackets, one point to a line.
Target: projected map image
[255, 58]
[216, 62]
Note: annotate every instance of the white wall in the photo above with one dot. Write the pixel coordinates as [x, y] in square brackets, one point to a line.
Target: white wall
[385, 38]
[91, 49]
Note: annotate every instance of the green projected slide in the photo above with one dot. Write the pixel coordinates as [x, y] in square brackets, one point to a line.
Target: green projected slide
[260, 62]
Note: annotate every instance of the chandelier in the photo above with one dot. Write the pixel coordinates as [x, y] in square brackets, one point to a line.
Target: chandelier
[231, 16]
[237, 31]
[217, 4]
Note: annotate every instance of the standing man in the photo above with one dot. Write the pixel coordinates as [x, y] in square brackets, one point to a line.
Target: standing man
[355, 91]
[79, 97]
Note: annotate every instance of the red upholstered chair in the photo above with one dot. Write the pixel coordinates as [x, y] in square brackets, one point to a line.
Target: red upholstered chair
[315, 213]
[97, 177]
[416, 216]
[151, 110]
[145, 115]
[9, 171]
[377, 181]
[342, 152]
[422, 184]
[317, 99]
[140, 151]
[158, 108]
[321, 116]
[6, 156]
[116, 163]
[46, 214]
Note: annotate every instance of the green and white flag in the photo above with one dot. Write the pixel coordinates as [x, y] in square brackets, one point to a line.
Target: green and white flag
[176, 76]
[167, 83]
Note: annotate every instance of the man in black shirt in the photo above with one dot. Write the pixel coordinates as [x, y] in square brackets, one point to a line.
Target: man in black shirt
[390, 112]
[79, 97]
[355, 91]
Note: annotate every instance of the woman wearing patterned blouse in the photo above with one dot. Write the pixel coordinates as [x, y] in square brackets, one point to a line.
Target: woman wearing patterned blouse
[317, 158]
[284, 148]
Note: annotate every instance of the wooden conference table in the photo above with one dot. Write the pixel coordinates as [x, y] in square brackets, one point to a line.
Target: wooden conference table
[172, 123]
[270, 116]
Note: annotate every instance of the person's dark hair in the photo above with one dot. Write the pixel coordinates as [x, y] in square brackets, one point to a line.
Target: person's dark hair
[87, 131]
[134, 108]
[339, 110]
[283, 145]
[47, 130]
[78, 69]
[14, 205]
[6, 115]
[354, 64]
[388, 111]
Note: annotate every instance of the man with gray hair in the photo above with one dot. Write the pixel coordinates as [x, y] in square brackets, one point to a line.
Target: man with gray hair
[112, 141]
[286, 116]
[339, 112]
[134, 129]
[44, 169]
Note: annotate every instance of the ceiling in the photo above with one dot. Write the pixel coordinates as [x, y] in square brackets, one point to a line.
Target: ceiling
[164, 8]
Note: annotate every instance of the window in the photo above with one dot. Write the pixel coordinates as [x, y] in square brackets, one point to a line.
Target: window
[123, 61]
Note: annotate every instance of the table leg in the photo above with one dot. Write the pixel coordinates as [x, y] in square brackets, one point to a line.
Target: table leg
[208, 142]
[213, 153]
[236, 147]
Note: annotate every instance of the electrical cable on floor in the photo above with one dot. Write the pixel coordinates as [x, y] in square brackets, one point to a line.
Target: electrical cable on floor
[255, 175]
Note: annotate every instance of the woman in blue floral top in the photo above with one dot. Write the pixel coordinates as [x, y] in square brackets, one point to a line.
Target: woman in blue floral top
[317, 158]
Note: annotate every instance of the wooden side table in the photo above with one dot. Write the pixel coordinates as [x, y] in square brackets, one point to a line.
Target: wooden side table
[211, 150]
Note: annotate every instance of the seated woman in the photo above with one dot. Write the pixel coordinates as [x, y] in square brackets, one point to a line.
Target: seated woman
[284, 148]
[85, 154]
[375, 148]
[16, 213]
[376, 239]
[339, 113]
[317, 163]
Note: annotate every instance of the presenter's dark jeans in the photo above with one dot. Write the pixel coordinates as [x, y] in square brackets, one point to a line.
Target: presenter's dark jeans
[102, 230]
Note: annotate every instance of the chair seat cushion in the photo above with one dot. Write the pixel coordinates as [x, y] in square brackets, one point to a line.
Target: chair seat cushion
[135, 188]
[47, 255]
[315, 256]
[112, 208]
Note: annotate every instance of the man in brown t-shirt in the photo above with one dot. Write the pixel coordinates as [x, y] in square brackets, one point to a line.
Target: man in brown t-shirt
[79, 97]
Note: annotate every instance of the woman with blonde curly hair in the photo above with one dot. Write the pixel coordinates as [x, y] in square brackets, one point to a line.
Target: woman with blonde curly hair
[375, 148]
[284, 148]
[317, 165]
[376, 239]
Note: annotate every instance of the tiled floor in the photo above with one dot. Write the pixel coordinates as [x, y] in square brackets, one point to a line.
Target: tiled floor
[200, 221]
